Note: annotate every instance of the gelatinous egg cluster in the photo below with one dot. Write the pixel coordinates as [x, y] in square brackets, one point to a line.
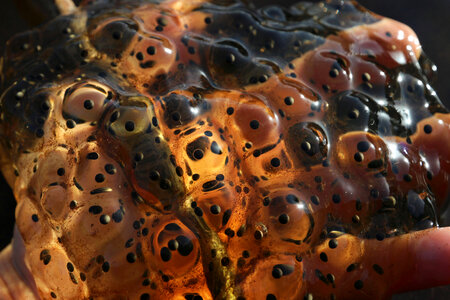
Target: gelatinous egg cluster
[207, 150]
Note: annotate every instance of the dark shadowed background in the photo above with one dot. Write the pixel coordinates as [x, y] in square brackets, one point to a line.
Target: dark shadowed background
[428, 18]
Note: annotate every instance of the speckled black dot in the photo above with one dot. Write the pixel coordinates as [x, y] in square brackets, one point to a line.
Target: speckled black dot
[92, 156]
[289, 100]
[173, 245]
[427, 129]
[271, 297]
[73, 204]
[275, 162]
[95, 209]
[333, 243]
[359, 157]
[336, 198]
[254, 124]
[292, 199]
[277, 273]
[334, 73]
[70, 124]
[99, 178]
[283, 219]
[88, 104]
[185, 245]
[353, 114]
[151, 50]
[105, 266]
[129, 243]
[375, 164]
[140, 56]
[351, 267]
[374, 193]
[215, 209]
[145, 232]
[359, 284]
[258, 234]
[215, 148]
[110, 169]
[136, 225]
[198, 154]
[46, 258]
[366, 77]
[165, 184]
[378, 269]
[230, 58]
[407, 177]
[70, 267]
[105, 219]
[198, 211]
[154, 175]
[225, 261]
[138, 156]
[114, 116]
[117, 216]
[131, 257]
[39, 132]
[129, 126]
[145, 296]
[165, 253]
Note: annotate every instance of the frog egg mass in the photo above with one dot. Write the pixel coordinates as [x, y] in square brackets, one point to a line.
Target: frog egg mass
[213, 150]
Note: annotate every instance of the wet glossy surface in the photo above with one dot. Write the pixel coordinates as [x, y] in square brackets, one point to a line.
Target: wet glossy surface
[183, 151]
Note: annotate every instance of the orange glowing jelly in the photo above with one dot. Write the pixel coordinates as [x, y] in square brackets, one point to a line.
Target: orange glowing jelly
[210, 150]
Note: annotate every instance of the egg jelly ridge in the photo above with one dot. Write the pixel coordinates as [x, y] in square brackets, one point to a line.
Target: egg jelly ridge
[174, 150]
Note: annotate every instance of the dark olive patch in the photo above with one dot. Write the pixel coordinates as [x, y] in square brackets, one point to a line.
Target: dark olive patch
[115, 37]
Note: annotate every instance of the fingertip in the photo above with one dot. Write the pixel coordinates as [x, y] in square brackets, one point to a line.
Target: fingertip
[429, 260]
